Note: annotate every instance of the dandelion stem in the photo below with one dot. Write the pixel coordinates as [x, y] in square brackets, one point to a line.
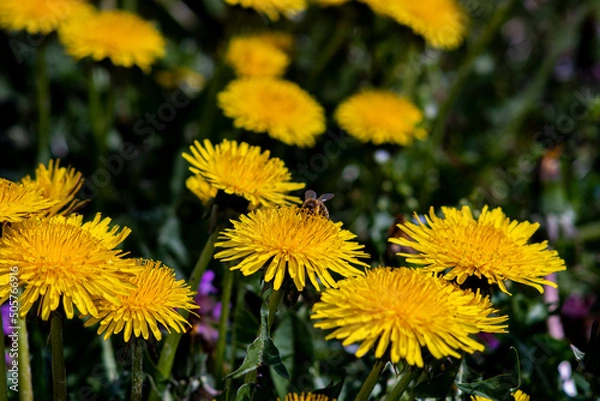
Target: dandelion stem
[224, 318]
[169, 349]
[25, 383]
[3, 388]
[137, 369]
[371, 381]
[59, 374]
[274, 302]
[492, 27]
[402, 385]
[108, 358]
[43, 102]
[96, 118]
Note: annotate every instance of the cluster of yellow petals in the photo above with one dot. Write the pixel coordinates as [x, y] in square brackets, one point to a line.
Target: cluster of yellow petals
[275, 106]
[403, 310]
[492, 247]
[63, 260]
[19, 201]
[154, 300]
[380, 116]
[272, 8]
[306, 397]
[443, 23]
[36, 16]
[242, 170]
[294, 242]
[57, 183]
[121, 36]
[518, 396]
[259, 55]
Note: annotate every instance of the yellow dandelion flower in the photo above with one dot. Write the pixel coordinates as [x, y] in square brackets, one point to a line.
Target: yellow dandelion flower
[272, 8]
[19, 201]
[156, 298]
[492, 247]
[62, 260]
[293, 241]
[380, 117]
[201, 188]
[36, 16]
[442, 23]
[518, 396]
[275, 106]
[57, 183]
[253, 56]
[245, 171]
[121, 36]
[306, 397]
[403, 310]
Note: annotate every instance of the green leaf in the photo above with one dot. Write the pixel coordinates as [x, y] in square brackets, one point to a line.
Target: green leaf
[245, 392]
[498, 388]
[262, 351]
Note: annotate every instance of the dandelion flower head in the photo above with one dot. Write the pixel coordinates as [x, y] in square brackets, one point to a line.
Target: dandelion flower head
[272, 8]
[275, 106]
[403, 310]
[381, 117]
[306, 397]
[291, 240]
[518, 396]
[491, 247]
[242, 170]
[442, 23]
[121, 36]
[63, 260]
[155, 299]
[36, 16]
[57, 183]
[257, 56]
[19, 201]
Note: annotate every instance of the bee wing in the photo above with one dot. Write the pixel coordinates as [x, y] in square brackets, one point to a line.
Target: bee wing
[325, 197]
[310, 194]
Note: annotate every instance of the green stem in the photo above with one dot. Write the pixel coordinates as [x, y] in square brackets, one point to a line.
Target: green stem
[96, 118]
[402, 385]
[42, 84]
[25, 382]
[371, 381]
[492, 27]
[169, 349]
[3, 386]
[274, 302]
[59, 374]
[108, 358]
[223, 320]
[137, 369]
[335, 43]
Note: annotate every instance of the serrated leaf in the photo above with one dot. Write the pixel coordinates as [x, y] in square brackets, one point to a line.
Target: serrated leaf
[498, 388]
[262, 351]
